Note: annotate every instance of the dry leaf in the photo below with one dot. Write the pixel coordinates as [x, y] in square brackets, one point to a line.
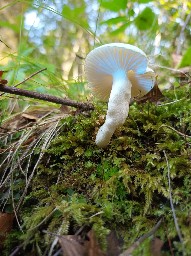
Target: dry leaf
[15, 123]
[72, 246]
[184, 75]
[114, 244]
[2, 81]
[6, 223]
[27, 118]
[156, 246]
[30, 117]
[93, 248]
[154, 95]
[65, 109]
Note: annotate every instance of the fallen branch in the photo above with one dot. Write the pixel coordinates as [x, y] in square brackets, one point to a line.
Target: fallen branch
[45, 97]
[129, 251]
[22, 82]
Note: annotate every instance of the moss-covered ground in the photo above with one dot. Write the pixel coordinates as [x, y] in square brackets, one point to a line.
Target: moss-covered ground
[125, 187]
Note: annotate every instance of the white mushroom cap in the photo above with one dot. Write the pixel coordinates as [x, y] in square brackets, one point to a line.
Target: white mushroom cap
[117, 72]
[103, 61]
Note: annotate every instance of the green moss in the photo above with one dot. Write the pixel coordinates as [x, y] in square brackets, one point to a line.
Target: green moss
[123, 187]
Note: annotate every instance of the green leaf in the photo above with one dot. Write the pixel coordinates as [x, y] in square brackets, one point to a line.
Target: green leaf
[115, 20]
[144, 1]
[146, 19]
[6, 24]
[15, 25]
[131, 13]
[114, 5]
[121, 29]
[186, 59]
[75, 15]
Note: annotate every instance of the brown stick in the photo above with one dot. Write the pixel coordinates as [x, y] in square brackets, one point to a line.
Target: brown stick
[26, 79]
[129, 251]
[5, 44]
[46, 97]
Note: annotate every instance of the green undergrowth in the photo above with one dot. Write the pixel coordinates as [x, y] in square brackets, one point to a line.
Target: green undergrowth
[124, 187]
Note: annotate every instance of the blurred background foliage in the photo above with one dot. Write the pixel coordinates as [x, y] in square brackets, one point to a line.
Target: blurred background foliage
[57, 35]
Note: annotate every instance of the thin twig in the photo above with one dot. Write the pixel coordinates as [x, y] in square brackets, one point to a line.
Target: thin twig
[171, 69]
[26, 79]
[45, 97]
[172, 205]
[98, 213]
[44, 220]
[173, 129]
[172, 102]
[56, 239]
[16, 250]
[80, 57]
[58, 252]
[52, 234]
[13, 204]
[129, 251]
[5, 44]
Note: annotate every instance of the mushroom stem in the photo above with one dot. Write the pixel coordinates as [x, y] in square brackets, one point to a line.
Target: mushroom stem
[118, 107]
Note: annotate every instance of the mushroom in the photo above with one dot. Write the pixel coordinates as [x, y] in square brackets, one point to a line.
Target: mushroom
[117, 72]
